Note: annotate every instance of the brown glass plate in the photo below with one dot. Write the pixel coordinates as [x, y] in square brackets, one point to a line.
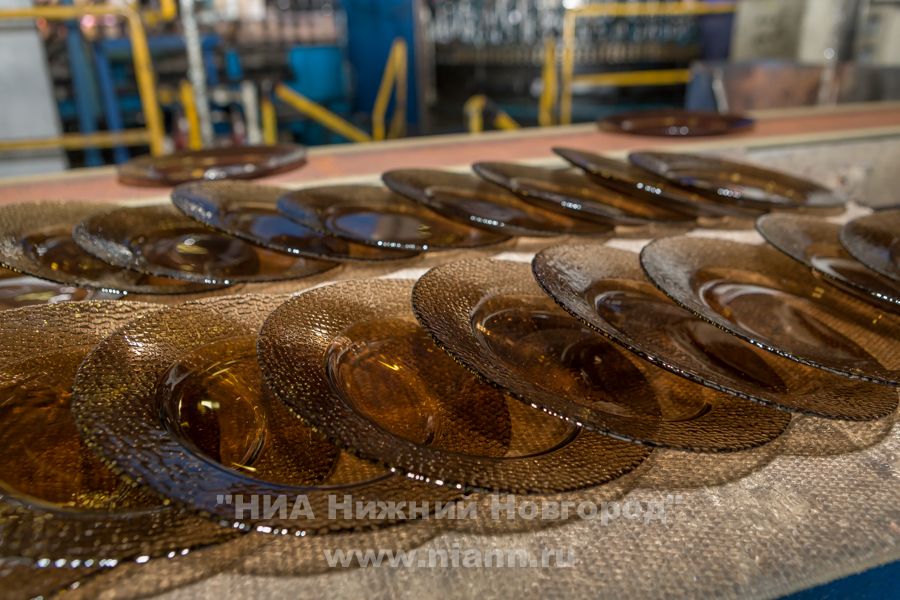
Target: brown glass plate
[176, 401]
[675, 122]
[60, 506]
[235, 162]
[17, 290]
[36, 239]
[875, 241]
[470, 199]
[816, 243]
[652, 188]
[607, 289]
[575, 194]
[351, 359]
[376, 216]
[248, 211]
[159, 240]
[740, 183]
[495, 319]
[759, 294]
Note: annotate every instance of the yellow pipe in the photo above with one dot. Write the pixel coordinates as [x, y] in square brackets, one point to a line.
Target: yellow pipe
[396, 63]
[168, 10]
[398, 120]
[189, 104]
[78, 141]
[474, 110]
[621, 9]
[653, 9]
[505, 122]
[143, 66]
[269, 120]
[636, 78]
[320, 114]
[568, 68]
[548, 91]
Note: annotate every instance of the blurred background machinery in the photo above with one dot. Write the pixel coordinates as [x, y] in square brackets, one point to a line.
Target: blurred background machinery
[93, 82]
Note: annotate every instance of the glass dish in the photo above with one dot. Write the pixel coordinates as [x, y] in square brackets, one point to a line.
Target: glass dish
[816, 243]
[607, 289]
[159, 240]
[176, 402]
[235, 162]
[764, 297]
[652, 188]
[351, 359]
[17, 290]
[493, 317]
[575, 194]
[675, 122]
[36, 239]
[741, 183]
[248, 211]
[60, 505]
[470, 199]
[875, 242]
[376, 216]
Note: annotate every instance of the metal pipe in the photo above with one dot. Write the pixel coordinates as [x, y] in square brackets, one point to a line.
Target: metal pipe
[320, 114]
[196, 70]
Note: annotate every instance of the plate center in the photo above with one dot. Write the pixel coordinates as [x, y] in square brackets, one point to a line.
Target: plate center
[213, 399]
[194, 251]
[45, 457]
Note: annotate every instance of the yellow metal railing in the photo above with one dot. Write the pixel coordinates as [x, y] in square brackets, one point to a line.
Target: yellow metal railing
[394, 78]
[480, 105]
[393, 81]
[627, 78]
[154, 133]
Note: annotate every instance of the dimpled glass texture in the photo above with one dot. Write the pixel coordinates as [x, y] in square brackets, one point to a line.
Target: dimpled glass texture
[59, 502]
[607, 289]
[351, 359]
[764, 297]
[816, 243]
[495, 319]
[175, 401]
[36, 239]
[159, 240]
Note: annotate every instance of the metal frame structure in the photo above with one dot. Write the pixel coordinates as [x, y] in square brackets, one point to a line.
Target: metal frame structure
[154, 133]
[394, 83]
[625, 78]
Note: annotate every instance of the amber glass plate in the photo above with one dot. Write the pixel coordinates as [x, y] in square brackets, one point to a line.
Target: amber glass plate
[159, 240]
[741, 183]
[176, 402]
[816, 243]
[249, 211]
[607, 289]
[652, 188]
[59, 504]
[676, 123]
[493, 317]
[470, 199]
[36, 239]
[875, 241]
[235, 162]
[376, 216]
[575, 194]
[17, 290]
[351, 359]
[759, 294]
